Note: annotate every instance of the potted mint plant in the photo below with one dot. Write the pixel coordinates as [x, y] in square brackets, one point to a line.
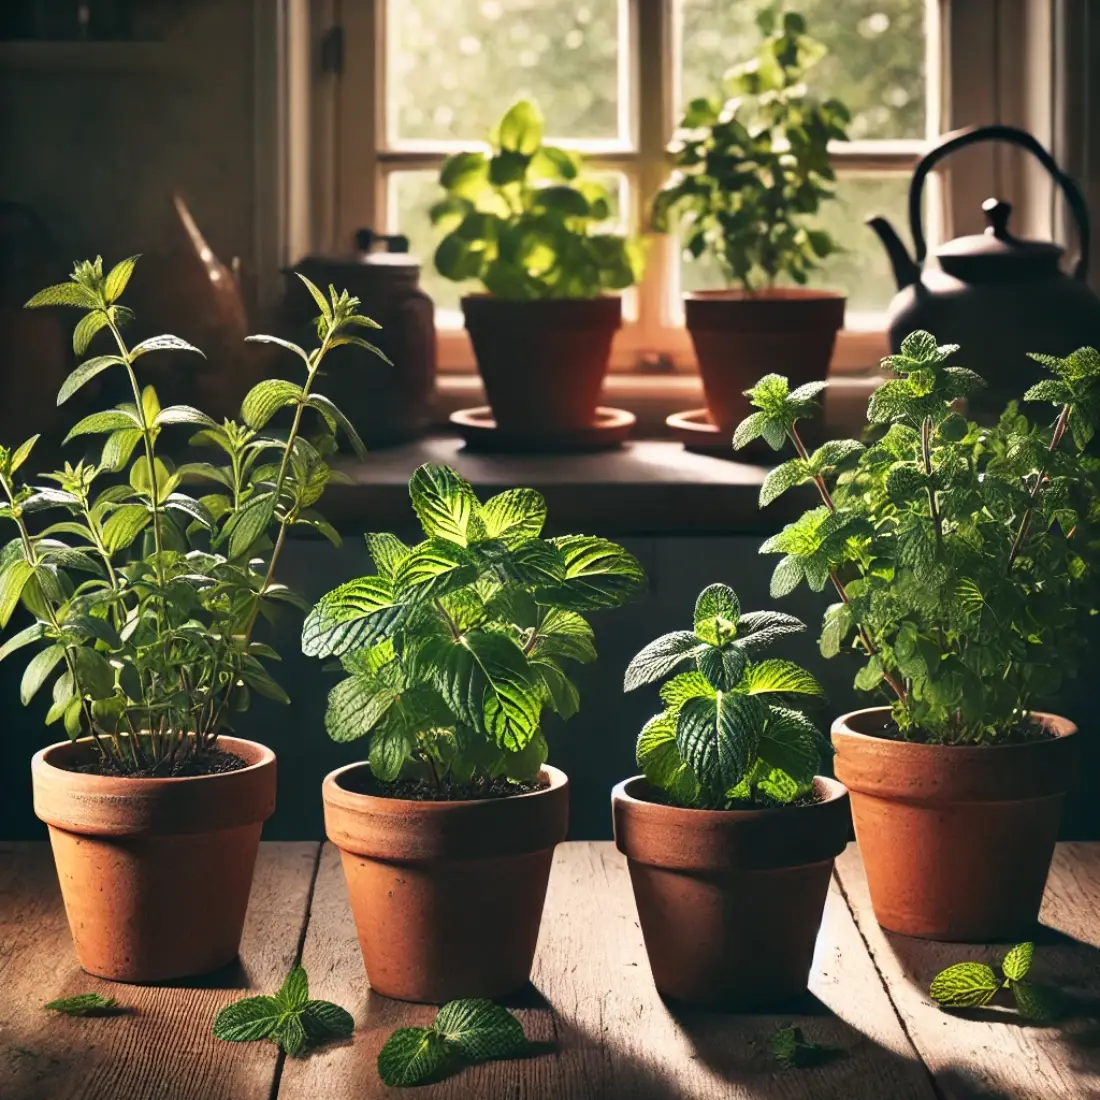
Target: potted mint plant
[729, 832]
[533, 230]
[751, 171]
[962, 559]
[452, 650]
[143, 599]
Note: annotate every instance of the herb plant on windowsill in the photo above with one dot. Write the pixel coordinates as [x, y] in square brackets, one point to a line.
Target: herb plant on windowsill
[728, 796]
[525, 222]
[454, 651]
[751, 172]
[963, 561]
[144, 600]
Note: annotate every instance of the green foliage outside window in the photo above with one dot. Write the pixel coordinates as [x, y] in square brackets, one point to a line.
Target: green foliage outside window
[526, 223]
[962, 555]
[453, 648]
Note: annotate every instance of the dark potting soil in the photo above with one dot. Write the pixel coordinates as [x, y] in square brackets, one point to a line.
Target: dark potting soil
[1023, 733]
[209, 762]
[810, 798]
[421, 790]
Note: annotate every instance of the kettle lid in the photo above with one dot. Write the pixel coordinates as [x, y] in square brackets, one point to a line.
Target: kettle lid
[996, 253]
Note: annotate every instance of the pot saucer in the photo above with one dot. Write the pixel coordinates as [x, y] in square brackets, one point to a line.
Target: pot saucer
[480, 432]
[700, 435]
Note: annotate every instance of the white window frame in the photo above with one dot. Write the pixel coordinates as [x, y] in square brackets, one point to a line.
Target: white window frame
[988, 61]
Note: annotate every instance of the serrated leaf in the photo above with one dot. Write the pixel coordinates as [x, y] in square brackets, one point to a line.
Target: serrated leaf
[964, 985]
[791, 744]
[295, 989]
[108, 421]
[443, 501]
[249, 523]
[85, 373]
[786, 576]
[660, 657]
[480, 1030]
[659, 758]
[356, 706]
[83, 1004]
[248, 1019]
[389, 749]
[266, 398]
[359, 613]
[506, 683]
[791, 473]
[118, 448]
[64, 294]
[124, 525]
[290, 1034]
[778, 676]
[183, 414]
[562, 692]
[566, 634]
[1038, 1002]
[411, 1056]
[1017, 962]
[165, 342]
[514, 516]
[433, 569]
[387, 552]
[717, 610]
[685, 686]
[718, 738]
[324, 1020]
[722, 665]
[598, 574]
[792, 1050]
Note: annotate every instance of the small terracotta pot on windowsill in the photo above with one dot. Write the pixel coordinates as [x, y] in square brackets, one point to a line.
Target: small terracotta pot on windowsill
[543, 362]
[956, 839]
[740, 337]
[447, 896]
[730, 901]
[155, 873]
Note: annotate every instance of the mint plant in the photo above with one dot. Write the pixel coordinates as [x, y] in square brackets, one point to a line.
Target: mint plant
[85, 1004]
[526, 223]
[792, 1050]
[454, 647]
[974, 985]
[290, 1019]
[467, 1031]
[960, 554]
[731, 731]
[145, 596]
[752, 164]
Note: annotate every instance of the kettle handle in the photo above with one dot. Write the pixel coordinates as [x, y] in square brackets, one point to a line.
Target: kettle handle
[971, 135]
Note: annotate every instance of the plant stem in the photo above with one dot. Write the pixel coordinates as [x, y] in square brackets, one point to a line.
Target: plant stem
[1025, 521]
[926, 456]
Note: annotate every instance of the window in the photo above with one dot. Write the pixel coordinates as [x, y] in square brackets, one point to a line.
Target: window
[423, 78]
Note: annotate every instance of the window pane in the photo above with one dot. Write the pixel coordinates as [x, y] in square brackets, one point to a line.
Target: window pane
[455, 66]
[875, 62]
[863, 270]
[409, 197]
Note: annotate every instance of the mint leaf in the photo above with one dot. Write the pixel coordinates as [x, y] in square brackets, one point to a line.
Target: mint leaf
[964, 985]
[295, 991]
[1038, 1002]
[324, 1020]
[411, 1056]
[290, 1034]
[480, 1030]
[792, 1050]
[244, 1021]
[1018, 961]
[84, 1004]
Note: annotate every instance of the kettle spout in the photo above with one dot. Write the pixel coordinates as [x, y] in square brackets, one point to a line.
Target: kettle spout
[906, 271]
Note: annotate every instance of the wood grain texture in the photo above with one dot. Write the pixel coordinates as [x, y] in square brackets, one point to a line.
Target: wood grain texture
[991, 1053]
[600, 1029]
[163, 1049]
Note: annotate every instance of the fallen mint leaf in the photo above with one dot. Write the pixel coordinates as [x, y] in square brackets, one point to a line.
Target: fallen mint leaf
[84, 1004]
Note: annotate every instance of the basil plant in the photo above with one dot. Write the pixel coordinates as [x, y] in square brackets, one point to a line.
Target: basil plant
[962, 556]
[733, 730]
[454, 648]
[143, 589]
[525, 222]
[752, 164]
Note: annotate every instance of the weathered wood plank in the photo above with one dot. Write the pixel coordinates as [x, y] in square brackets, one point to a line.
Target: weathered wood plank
[165, 1050]
[602, 1030]
[990, 1053]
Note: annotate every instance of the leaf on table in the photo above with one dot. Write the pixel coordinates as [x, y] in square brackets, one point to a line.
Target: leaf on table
[85, 1004]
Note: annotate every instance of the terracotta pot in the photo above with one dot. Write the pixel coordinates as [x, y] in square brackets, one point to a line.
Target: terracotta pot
[730, 901]
[447, 896]
[956, 839]
[155, 873]
[542, 362]
[739, 338]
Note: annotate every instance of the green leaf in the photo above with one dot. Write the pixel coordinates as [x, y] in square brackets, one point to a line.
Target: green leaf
[84, 1004]
[563, 694]
[322, 302]
[778, 676]
[433, 569]
[109, 421]
[85, 330]
[387, 552]
[182, 414]
[356, 706]
[23, 452]
[411, 1056]
[1017, 962]
[354, 615]
[660, 657]
[162, 343]
[783, 477]
[29, 634]
[118, 448]
[521, 129]
[480, 1030]
[661, 763]
[65, 294]
[717, 610]
[389, 749]
[12, 582]
[290, 1034]
[86, 372]
[444, 502]
[1038, 1002]
[791, 744]
[723, 665]
[964, 985]
[261, 339]
[598, 574]
[718, 738]
[266, 398]
[514, 515]
[790, 1048]
[94, 672]
[118, 277]
[465, 175]
[248, 524]
[688, 685]
[124, 525]
[336, 418]
[295, 990]
[506, 684]
[248, 1019]
[324, 1020]
[564, 634]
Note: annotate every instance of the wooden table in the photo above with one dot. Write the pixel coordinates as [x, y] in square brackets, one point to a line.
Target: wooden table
[599, 1027]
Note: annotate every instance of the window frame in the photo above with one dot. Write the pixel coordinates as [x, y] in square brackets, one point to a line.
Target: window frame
[987, 60]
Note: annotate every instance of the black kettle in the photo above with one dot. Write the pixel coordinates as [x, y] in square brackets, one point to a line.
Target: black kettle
[997, 296]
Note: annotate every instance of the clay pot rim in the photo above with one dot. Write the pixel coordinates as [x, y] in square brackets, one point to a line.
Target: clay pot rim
[777, 294]
[336, 795]
[101, 784]
[833, 788]
[1058, 725]
[485, 296]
